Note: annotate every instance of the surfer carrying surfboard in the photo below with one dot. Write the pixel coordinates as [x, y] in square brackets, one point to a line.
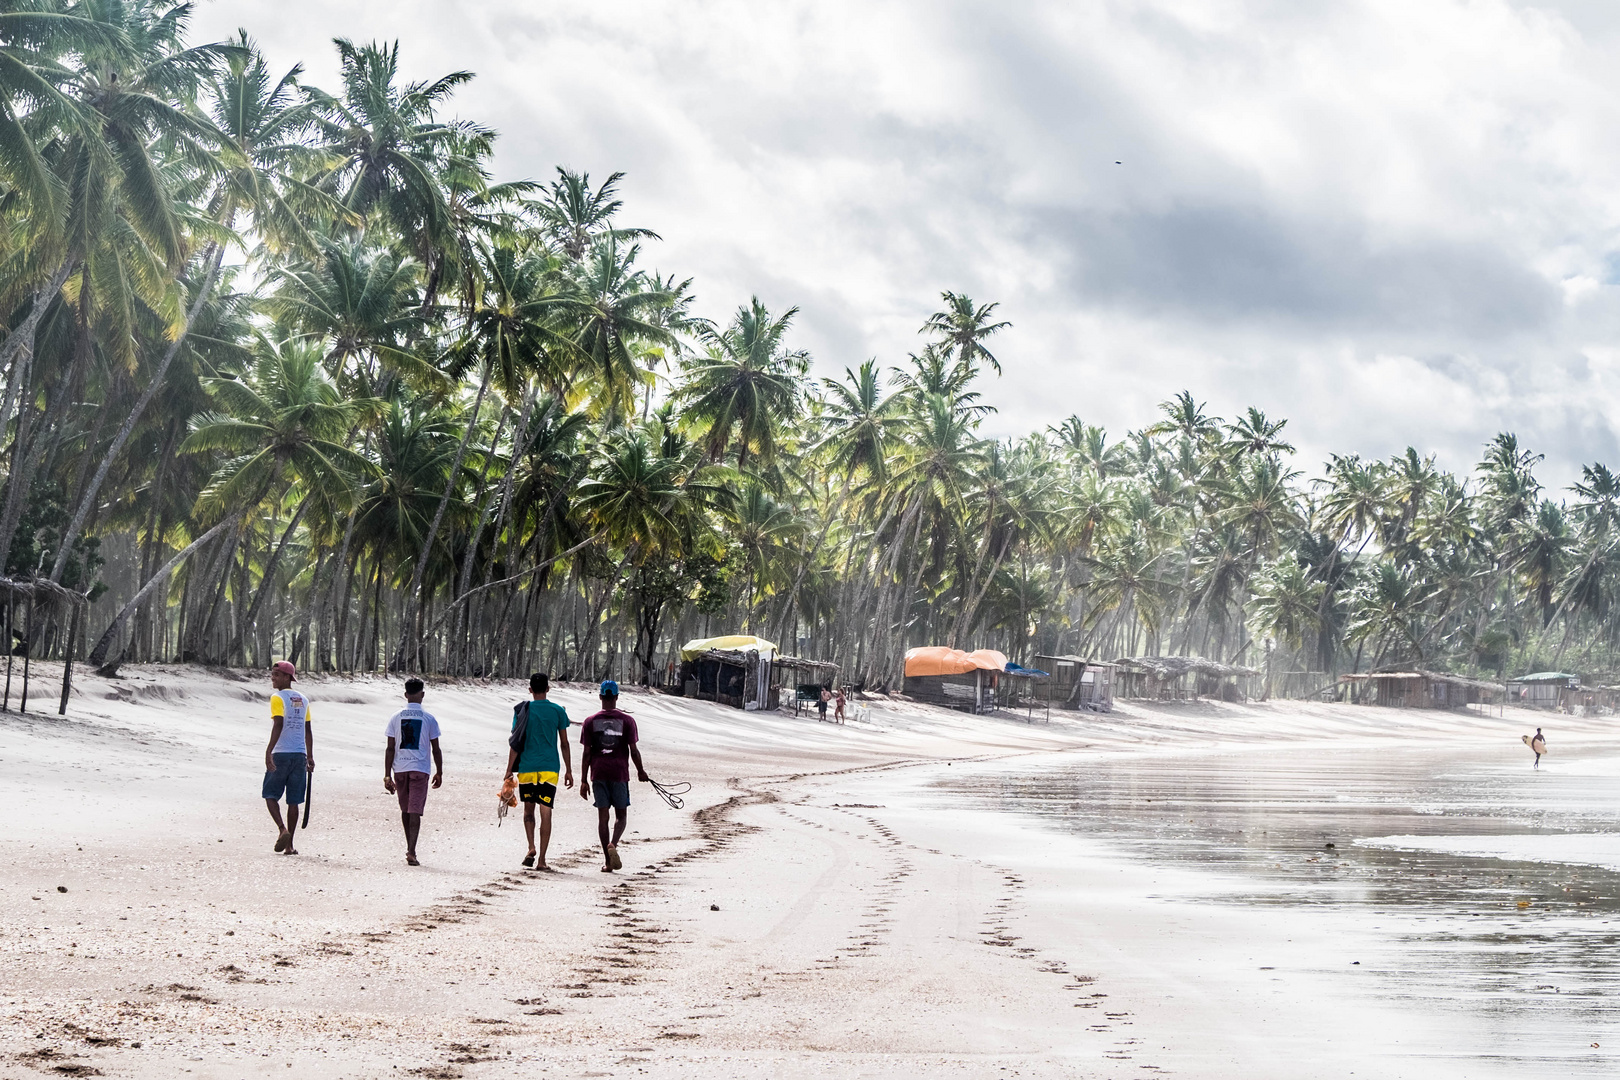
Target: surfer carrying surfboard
[1537, 744]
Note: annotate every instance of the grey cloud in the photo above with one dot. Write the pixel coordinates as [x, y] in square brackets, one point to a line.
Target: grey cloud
[1227, 263]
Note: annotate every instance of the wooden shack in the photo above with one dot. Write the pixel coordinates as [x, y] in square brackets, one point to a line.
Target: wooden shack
[1180, 678]
[1078, 682]
[953, 678]
[723, 675]
[1555, 690]
[734, 670]
[1419, 689]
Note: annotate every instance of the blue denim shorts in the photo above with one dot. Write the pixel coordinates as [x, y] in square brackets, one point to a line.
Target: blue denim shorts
[606, 793]
[289, 776]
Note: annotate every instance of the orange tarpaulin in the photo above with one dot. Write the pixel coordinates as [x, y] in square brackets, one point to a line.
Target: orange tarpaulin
[938, 660]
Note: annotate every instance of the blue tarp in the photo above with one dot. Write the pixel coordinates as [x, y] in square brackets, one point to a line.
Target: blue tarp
[1019, 669]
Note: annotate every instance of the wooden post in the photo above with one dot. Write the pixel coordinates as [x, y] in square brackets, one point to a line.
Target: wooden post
[28, 648]
[11, 646]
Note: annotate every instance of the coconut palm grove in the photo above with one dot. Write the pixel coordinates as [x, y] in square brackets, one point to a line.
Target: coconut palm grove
[288, 372]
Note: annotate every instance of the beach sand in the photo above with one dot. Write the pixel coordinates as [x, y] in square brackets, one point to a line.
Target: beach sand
[829, 902]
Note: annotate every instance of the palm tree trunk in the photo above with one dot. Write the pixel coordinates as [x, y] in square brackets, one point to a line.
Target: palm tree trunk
[98, 655]
[408, 615]
[464, 580]
[971, 610]
[267, 579]
[213, 254]
[21, 480]
[24, 335]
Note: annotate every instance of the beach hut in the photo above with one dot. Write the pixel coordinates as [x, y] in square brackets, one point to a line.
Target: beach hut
[1419, 689]
[1181, 678]
[1545, 690]
[1078, 682]
[801, 681]
[953, 678]
[733, 670]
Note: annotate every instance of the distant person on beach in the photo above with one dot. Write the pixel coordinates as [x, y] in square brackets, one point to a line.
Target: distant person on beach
[410, 733]
[289, 757]
[821, 704]
[608, 744]
[838, 703]
[539, 728]
[1538, 746]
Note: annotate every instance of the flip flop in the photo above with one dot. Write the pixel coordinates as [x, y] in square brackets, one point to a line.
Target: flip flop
[528, 860]
[284, 841]
[613, 858]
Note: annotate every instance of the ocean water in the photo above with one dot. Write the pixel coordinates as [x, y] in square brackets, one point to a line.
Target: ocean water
[1482, 887]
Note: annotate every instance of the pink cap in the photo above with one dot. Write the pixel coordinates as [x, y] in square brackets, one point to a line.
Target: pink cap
[285, 668]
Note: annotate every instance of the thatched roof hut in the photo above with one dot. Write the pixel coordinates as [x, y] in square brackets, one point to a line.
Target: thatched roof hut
[1178, 678]
[1420, 689]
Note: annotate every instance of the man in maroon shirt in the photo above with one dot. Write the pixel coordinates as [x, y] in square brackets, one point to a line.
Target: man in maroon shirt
[609, 741]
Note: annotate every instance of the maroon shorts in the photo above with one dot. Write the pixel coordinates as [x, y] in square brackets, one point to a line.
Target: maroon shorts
[411, 787]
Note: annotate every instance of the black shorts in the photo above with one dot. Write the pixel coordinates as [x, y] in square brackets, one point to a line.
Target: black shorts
[538, 787]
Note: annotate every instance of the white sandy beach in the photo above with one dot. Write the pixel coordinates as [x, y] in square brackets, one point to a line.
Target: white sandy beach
[823, 906]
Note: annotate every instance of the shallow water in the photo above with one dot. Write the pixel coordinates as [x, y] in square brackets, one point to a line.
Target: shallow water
[1472, 885]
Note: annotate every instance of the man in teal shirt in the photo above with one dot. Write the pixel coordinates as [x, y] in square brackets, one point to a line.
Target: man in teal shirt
[536, 762]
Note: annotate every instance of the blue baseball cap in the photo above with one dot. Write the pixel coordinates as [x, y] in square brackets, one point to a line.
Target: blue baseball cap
[609, 689]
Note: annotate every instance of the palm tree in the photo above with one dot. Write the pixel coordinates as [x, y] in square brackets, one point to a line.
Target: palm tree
[860, 423]
[1386, 609]
[363, 301]
[746, 386]
[387, 146]
[962, 329]
[648, 505]
[615, 311]
[764, 529]
[1288, 602]
[1185, 417]
[260, 165]
[283, 432]
[1536, 548]
[1253, 433]
[125, 234]
[575, 218]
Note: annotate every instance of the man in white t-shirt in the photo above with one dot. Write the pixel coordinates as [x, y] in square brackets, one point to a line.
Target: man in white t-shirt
[410, 732]
[290, 756]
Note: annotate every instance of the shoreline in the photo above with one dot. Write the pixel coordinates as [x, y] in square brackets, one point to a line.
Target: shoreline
[855, 936]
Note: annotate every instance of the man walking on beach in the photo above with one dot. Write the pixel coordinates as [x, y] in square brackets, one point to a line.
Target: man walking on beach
[1538, 746]
[539, 729]
[289, 757]
[410, 733]
[608, 739]
[821, 704]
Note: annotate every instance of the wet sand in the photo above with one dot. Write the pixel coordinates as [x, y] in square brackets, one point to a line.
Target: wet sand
[925, 894]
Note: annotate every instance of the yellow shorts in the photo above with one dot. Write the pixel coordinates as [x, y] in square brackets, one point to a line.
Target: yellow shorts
[537, 787]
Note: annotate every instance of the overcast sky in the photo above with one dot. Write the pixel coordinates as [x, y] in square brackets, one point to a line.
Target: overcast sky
[1393, 223]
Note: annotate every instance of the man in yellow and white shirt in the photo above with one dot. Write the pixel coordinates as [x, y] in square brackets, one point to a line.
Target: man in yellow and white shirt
[289, 757]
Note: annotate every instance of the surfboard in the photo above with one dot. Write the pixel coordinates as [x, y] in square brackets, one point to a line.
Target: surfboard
[1529, 740]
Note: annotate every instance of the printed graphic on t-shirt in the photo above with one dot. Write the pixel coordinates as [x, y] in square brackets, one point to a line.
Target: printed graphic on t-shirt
[609, 734]
[410, 732]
